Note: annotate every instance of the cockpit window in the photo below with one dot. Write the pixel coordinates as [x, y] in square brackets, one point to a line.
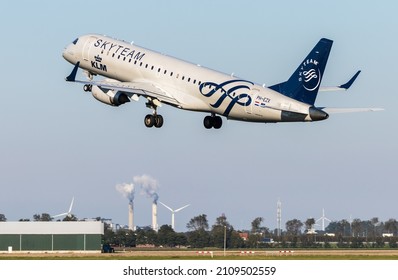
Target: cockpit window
[75, 41]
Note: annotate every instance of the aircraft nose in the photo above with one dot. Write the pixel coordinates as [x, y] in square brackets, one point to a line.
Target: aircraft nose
[67, 50]
[68, 53]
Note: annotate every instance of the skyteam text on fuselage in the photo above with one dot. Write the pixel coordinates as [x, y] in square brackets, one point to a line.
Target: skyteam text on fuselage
[131, 71]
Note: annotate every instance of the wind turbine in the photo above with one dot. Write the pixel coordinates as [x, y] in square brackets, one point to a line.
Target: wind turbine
[173, 212]
[323, 219]
[68, 214]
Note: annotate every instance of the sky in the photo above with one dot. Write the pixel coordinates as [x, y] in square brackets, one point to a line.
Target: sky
[58, 142]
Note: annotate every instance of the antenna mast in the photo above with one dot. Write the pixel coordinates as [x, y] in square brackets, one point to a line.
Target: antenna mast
[279, 218]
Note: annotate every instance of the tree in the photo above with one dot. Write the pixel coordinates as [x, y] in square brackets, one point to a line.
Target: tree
[199, 238]
[256, 224]
[146, 236]
[375, 223]
[257, 232]
[198, 223]
[356, 227]
[70, 218]
[124, 238]
[343, 228]
[391, 226]
[109, 235]
[222, 221]
[3, 218]
[221, 232]
[253, 240]
[198, 235]
[181, 239]
[166, 236]
[236, 240]
[44, 217]
[293, 227]
[309, 223]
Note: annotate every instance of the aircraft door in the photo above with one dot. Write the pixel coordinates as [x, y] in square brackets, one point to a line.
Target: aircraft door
[253, 94]
[87, 47]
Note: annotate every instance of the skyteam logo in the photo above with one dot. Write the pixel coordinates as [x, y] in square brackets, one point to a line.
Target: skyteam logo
[232, 91]
[310, 75]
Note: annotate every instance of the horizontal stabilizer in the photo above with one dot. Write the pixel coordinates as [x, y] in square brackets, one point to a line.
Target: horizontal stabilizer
[348, 84]
[342, 87]
[350, 110]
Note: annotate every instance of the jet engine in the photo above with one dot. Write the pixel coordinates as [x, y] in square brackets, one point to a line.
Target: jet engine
[110, 97]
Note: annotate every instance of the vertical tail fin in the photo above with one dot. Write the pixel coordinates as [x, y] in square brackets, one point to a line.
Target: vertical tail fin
[304, 84]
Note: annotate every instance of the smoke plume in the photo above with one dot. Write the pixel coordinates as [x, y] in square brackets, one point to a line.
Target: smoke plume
[127, 190]
[149, 186]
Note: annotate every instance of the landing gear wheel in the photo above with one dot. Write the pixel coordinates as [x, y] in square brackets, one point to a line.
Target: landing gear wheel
[158, 121]
[217, 122]
[212, 121]
[149, 120]
[87, 87]
[208, 122]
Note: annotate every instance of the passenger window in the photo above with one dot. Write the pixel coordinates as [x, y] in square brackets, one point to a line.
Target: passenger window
[171, 74]
[158, 70]
[183, 78]
[152, 67]
[165, 71]
[189, 79]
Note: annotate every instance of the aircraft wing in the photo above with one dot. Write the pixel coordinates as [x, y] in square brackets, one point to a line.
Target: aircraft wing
[144, 88]
[342, 87]
[132, 89]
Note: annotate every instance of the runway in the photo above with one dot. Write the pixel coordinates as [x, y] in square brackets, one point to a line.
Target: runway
[212, 254]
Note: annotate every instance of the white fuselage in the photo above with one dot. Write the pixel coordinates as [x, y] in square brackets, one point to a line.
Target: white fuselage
[195, 87]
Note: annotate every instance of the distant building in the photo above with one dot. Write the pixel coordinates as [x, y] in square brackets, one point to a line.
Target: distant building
[51, 236]
[388, 235]
[244, 235]
[267, 240]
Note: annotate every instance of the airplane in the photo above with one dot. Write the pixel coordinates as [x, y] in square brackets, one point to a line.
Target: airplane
[131, 72]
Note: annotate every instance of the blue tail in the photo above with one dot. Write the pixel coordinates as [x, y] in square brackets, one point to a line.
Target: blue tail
[304, 84]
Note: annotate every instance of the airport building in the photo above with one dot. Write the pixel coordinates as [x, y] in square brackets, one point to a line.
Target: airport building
[51, 236]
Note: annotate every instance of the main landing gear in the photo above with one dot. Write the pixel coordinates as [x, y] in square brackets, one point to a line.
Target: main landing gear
[153, 120]
[212, 121]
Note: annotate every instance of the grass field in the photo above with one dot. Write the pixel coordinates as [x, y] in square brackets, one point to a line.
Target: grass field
[216, 255]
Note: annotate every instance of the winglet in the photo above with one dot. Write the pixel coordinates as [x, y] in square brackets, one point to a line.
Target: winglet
[348, 84]
[72, 75]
